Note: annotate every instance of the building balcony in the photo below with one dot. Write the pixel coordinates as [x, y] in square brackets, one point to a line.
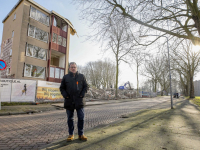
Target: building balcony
[57, 66]
[58, 48]
[56, 74]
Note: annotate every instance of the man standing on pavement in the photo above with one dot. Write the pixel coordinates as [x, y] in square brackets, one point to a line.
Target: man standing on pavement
[73, 88]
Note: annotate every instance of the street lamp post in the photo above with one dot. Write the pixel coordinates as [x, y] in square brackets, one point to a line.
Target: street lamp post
[169, 73]
[169, 66]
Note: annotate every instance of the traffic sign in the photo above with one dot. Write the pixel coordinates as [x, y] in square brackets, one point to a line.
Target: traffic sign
[2, 64]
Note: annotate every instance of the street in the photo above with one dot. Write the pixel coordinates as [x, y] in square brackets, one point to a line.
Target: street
[36, 130]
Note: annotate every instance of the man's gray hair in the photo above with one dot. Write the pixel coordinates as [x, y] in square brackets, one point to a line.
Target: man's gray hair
[72, 63]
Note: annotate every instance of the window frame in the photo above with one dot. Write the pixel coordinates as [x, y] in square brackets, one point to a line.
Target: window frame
[64, 25]
[57, 76]
[51, 72]
[29, 30]
[13, 33]
[59, 41]
[35, 28]
[27, 46]
[61, 74]
[11, 52]
[64, 41]
[31, 71]
[8, 71]
[36, 12]
[54, 20]
[15, 16]
[56, 38]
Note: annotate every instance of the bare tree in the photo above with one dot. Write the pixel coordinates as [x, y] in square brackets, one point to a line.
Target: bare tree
[153, 71]
[138, 57]
[182, 16]
[120, 42]
[186, 63]
[164, 74]
[178, 19]
[81, 69]
[108, 71]
[100, 73]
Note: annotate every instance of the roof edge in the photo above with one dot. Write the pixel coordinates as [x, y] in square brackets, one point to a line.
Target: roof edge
[12, 10]
[40, 6]
[53, 12]
[43, 8]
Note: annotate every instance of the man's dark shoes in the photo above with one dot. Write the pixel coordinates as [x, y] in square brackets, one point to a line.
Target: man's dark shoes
[82, 137]
[70, 138]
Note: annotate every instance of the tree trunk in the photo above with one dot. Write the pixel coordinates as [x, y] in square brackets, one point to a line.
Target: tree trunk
[137, 82]
[116, 84]
[186, 90]
[155, 86]
[191, 87]
[161, 93]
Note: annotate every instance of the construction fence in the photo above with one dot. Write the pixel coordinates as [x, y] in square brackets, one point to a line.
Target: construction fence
[18, 90]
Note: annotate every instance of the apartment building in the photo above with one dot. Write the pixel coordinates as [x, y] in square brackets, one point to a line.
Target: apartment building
[35, 43]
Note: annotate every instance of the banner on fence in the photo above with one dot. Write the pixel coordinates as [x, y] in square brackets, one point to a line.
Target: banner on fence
[5, 86]
[17, 90]
[48, 91]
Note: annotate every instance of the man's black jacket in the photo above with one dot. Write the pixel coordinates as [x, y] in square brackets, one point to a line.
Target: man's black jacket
[73, 89]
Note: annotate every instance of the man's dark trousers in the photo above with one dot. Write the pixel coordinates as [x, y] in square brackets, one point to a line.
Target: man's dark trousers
[70, 121]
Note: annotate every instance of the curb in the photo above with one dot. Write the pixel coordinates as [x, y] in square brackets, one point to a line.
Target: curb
[12, 113]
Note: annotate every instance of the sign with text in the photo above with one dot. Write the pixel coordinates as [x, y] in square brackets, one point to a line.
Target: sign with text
[16, 90]
[48, 91]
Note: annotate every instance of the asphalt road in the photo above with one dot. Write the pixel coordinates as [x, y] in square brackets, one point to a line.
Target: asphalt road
[36, 130]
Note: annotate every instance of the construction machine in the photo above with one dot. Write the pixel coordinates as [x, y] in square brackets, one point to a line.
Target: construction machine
[125, 86]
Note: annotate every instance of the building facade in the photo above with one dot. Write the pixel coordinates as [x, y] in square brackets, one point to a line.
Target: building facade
[35, 43]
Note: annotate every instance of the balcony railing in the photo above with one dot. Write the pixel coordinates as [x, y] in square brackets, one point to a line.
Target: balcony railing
[63, 34]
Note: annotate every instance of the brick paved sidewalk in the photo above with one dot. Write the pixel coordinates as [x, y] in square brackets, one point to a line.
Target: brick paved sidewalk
[169, 129]
[32, 131]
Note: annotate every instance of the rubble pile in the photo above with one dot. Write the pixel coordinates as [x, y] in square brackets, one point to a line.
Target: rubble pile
[109, 94]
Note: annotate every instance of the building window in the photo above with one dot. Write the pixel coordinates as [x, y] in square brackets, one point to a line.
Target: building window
[35, 52]
[12, 34]
[52, 72]
[41, 35]
[54, 38]
[59, 42]
[64, 42]
[54, 22]
[38, 33]
[39, 16]
[57, 73]
[31, 31]
[10, 52]
[61, 73]
[34, 71]
[14, 16]
[64, 28]
[8, 71]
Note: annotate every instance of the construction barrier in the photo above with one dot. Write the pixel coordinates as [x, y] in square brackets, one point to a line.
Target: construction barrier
[17, 90]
